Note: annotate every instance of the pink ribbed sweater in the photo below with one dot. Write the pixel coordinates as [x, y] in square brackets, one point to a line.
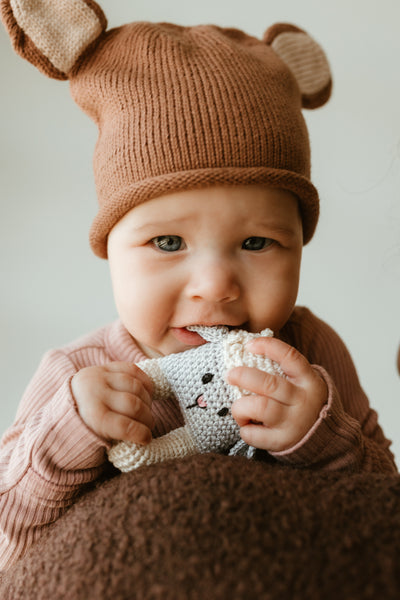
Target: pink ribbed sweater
[49, 455]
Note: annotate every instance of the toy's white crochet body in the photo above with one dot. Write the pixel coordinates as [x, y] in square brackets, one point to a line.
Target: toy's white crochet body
[197, 379]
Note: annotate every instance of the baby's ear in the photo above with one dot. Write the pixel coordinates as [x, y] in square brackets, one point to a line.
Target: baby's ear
[53, 34]
[306, 60]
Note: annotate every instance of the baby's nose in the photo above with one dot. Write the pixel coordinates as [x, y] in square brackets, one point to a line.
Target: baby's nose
[215, 281]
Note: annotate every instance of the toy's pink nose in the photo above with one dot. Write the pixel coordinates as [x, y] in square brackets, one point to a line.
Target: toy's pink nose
[201, 401]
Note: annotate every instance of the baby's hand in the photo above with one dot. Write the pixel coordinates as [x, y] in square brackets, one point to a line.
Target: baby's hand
[280, 411]
[114, 400]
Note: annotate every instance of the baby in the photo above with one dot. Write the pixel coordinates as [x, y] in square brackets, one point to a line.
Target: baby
[202, 169]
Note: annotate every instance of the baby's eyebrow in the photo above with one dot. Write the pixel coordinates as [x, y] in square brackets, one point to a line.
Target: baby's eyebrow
[278, 228]
[163, 225]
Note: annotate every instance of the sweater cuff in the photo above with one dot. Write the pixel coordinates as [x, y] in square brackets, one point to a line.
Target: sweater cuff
[66, 449]
[335, 440]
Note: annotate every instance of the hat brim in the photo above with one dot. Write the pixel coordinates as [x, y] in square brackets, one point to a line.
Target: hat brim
[132, 195]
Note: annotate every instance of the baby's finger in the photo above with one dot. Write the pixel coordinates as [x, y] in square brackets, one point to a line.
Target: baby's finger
[292, 362]
[259, 410]
[119, 427]
[258, 436]
[263, 384]
[131, 406]
[133, 371]
[121, 381]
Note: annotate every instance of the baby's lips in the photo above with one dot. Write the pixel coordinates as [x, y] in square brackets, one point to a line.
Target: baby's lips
[189, 338]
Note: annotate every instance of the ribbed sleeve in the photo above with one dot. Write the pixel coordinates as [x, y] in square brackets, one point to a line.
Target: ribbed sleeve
[49, 456]
[45, 458]
[347, 435]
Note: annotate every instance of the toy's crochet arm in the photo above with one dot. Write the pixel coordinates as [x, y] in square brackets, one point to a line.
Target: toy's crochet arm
[127, 456]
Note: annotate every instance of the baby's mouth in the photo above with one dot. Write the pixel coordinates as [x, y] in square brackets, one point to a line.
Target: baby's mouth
[189, 338]
[193, 338]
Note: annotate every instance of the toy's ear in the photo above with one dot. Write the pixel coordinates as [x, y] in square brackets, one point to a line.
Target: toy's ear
[210, 334]
[53, 34]
[219, 332]
[306, 60]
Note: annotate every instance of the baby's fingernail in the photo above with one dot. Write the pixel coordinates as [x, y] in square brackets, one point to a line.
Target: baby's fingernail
[257, 345]
[251, 346]
[228, 375]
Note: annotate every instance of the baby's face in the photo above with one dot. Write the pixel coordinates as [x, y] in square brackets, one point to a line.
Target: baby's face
[217, 256]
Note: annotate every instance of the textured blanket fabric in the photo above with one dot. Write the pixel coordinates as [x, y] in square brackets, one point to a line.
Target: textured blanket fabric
[217, 527]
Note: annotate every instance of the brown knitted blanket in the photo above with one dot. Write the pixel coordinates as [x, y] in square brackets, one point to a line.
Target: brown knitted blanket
[216, 527]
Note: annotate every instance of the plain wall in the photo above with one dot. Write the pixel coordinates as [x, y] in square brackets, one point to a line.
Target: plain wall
[54, 290]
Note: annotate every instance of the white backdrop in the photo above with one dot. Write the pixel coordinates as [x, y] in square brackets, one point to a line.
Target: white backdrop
[53, 289]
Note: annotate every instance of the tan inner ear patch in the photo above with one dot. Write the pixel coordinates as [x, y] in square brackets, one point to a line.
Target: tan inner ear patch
[60, 29]
[306, 60]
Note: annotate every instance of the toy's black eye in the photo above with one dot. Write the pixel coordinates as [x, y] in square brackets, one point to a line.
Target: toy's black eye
[207, 377]
[223, 412]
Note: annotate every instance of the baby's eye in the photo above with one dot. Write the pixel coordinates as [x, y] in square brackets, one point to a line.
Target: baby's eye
[168, 243]
[256, 243]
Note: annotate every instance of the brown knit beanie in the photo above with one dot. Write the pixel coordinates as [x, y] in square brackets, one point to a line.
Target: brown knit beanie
[179, 107]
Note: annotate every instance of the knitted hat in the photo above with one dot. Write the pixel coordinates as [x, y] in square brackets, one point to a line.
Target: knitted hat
[179, 107]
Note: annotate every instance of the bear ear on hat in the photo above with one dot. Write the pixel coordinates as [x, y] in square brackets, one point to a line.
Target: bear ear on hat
[53, 34]
[306, 60]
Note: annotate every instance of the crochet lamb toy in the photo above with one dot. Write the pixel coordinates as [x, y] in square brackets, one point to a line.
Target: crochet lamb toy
[196, 378]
